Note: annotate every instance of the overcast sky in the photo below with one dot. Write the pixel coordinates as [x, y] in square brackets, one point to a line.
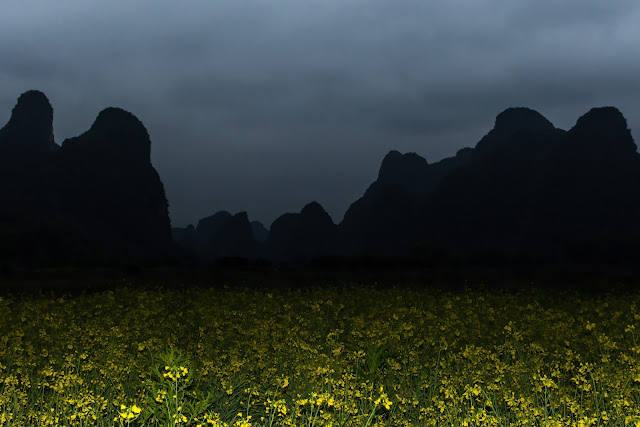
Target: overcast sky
[265, 105]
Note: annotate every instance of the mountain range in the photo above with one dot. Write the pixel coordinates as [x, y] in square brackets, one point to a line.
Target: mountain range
[526, 192]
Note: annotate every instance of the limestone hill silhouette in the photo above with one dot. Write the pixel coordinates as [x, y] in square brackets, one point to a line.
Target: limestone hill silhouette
[28, 219]
[95, 199]
[235, 239]
[509, 123]
[112, 189]
[260, 232]
[29, 130]
[299, 237]
[219, 236]
[383, 221]
[542, 194]
[527, 191]
[207, 230]
[116, 137]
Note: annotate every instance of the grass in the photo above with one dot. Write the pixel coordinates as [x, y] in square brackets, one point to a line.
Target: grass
[340, 355]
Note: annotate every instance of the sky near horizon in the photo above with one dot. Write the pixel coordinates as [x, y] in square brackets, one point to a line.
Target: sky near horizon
[266, 105]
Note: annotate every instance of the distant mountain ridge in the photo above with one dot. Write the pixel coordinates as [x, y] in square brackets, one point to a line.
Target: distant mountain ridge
[526, 192]
[381, 221]
[299, 237]
[544, 194]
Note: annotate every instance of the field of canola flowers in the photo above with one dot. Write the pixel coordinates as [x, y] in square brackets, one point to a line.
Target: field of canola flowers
[343, 356]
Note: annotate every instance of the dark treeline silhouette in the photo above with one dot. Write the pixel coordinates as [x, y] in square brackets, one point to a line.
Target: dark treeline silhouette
[528, 193]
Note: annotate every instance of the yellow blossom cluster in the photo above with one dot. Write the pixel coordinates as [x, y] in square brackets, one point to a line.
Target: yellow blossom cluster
[347, 355]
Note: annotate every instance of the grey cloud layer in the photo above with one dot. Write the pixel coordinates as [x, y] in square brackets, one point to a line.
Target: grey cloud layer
[266, 105]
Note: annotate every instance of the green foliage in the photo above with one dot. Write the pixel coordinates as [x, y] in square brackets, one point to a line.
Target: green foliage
[170, 387]
[343, 357]
[376, 356]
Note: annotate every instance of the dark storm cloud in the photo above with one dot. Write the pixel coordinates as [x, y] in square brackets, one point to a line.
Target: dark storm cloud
[266, 105]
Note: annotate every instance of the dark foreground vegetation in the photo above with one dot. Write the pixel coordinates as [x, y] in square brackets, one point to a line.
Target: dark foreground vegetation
[260, 346]
[380, 274]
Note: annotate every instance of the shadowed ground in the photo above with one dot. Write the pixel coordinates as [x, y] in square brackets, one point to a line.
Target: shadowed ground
[587, 279]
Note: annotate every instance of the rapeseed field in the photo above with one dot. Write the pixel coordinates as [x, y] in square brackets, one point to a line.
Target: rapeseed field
[340, 356]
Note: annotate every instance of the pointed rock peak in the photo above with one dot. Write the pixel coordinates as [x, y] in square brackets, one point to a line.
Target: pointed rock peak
[31, 121]
[392, 155]
[511, 121]
[313, 208]
[516, 119]
[220, 215]
[284, 219]
[606, 128]
[213, 222]
[119, 122]
[609, 115]
[239, 226]
[119, 131]
[233, 236]
[34, 100]
[315, 212]
[241, 216]
[396, 165]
